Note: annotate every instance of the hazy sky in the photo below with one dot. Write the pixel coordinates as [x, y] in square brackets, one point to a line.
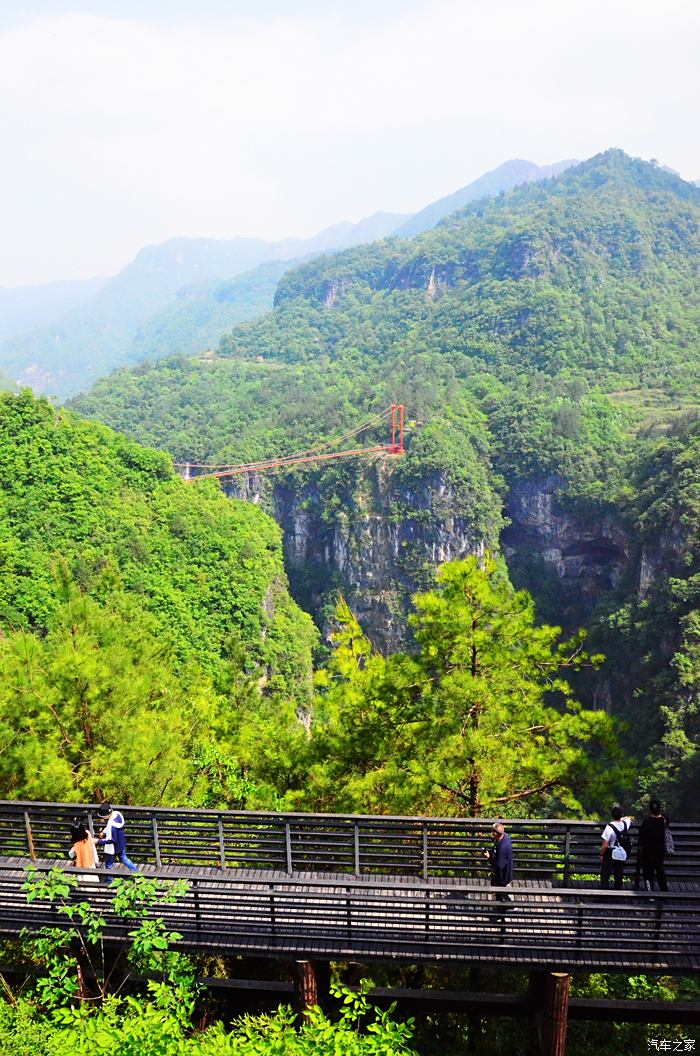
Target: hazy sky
[128, 122]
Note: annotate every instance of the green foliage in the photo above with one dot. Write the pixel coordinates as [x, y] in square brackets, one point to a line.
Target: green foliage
[651, 629]
[480, 720]
[139, 616]
[591, 1038]
[58, 1018]
[159, 1026]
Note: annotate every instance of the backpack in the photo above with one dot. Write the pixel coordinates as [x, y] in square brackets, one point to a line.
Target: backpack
[622, 839]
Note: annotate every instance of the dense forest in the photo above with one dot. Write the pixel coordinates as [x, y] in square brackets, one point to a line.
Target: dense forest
[151, 652]
[506, 619]
[133, 603]
[546, 345]
[129, 606]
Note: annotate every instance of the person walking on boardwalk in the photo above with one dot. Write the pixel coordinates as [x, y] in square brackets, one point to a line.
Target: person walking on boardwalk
[652, 847]
[113, 837]
[83, 849]
[615, 849]
[501, 859]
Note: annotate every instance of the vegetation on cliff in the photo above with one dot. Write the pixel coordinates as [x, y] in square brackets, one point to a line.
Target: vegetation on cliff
[152, 653]
[551, 332]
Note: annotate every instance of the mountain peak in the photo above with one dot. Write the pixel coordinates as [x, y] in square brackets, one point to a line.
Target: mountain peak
[614, 165]
[507, 175]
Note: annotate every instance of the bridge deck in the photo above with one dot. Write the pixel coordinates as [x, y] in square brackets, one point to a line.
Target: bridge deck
[388, 918]
[356, 887]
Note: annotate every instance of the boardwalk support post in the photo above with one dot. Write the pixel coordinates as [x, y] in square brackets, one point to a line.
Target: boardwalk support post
[552, 1012]
[288, 848]
[156, 841]
[312, 981]
[475, 1024]
[30, 838]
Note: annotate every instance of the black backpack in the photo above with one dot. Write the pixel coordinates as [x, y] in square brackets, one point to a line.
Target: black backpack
[623, 838]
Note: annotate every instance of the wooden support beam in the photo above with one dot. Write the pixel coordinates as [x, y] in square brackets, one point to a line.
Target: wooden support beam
[552, 1013]
[30, 835]
[311, 985]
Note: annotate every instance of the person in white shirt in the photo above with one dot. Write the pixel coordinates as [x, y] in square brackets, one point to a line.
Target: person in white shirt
[611, 838]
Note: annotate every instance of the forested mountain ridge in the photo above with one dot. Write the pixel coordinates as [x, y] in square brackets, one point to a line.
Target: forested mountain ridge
[545, 343]
[503, 178]
[564, 253]
[24, 308]
[133, 611]
[179, 297]
[103, 331]
[203, 311]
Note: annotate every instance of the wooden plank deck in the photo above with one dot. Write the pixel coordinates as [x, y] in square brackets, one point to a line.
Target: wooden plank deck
[388, 917]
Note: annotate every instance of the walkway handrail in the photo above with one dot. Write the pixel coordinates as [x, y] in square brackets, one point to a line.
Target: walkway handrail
[409, 920]
[353, 845]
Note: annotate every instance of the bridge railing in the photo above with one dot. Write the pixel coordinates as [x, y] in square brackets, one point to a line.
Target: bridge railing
[354, 845]
[565, 928]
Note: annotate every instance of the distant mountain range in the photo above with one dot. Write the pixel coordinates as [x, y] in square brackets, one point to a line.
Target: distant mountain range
[108, 329]
[181, 296]
[509, 174]
[25, 308]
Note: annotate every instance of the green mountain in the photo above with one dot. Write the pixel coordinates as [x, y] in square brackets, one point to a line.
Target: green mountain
[503, 178]
[135, 612]
[589, 280]
[178, 297]
[546, 344]
[203, 311]
[107, 329]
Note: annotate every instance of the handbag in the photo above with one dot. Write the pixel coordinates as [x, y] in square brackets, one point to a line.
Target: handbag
[669, 844]
[109, 847]
[618, 852]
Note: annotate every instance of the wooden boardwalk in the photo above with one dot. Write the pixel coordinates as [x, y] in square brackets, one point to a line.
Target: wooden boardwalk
[382, 917]
[373, 888]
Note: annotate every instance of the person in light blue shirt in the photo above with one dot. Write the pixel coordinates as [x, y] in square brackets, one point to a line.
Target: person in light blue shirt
[113, 837]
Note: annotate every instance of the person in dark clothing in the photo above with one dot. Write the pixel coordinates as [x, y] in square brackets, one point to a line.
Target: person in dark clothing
[652, 847]
[113, 838]
[612, 833]
[501, 859]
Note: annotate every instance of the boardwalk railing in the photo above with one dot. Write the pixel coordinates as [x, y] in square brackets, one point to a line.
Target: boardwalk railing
[560, 929]
[354, 845]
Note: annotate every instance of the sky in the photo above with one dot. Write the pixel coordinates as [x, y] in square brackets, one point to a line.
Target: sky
[127, 122]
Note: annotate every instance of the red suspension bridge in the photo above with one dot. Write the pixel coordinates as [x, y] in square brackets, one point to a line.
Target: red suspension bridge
[333, 449]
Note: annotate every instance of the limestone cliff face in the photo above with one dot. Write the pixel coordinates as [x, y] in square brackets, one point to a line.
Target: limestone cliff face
[586, 552]
[377, 541]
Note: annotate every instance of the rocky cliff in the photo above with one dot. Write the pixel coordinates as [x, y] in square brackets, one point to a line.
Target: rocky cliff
[580, 553]
[378, 541]
[378, 538]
